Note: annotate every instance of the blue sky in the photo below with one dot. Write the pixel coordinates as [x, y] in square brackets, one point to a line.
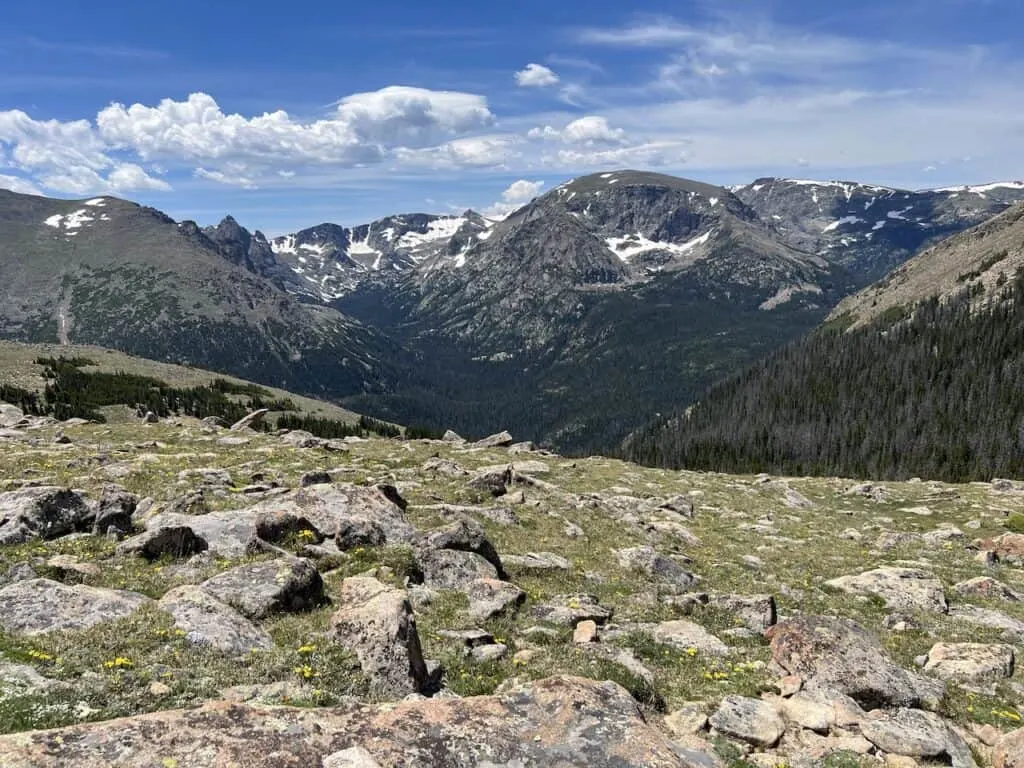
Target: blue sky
[288, 115]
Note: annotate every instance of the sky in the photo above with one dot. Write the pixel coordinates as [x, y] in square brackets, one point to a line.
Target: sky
[287, 115]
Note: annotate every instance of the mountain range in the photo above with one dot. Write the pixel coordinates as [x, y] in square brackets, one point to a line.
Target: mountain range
[916, 375]
[574, 320]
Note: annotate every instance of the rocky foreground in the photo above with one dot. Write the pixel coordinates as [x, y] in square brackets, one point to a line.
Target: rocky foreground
[186, 594]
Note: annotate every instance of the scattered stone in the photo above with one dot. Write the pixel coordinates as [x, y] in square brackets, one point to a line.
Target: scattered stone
[493, 481]
[970, 661]
[68, 567]
[793, 498]
[283, 526]
[485, 653]
[453, 569]
[915, 733]
[684, 634]
[377, 623]
[1012, 629]
[250, 421]
[46, 512]
[465, 536]
[39, 606]
[193, 503]
[647, 560]
[258, 590]
[208, 621]
[314, 477]
[11, 416]
[158, 541]
[452, 437]
[987, 588]
[489, 598]
[499, 440]
[757, 612]
[115, 510]
[585, 632]
[230, 441]
[689, 719]
[903, 589]
[808, 711]
[444, 467]
[1007, 548]
[570, 610]
[537, 562]
[754, 721]
[835, 654]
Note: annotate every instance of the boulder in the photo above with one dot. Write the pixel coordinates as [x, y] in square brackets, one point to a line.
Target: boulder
[570, 610]
[114, 510]
[1012, 628]
[537, 562]
[283, 526]
[489, 598]
[493, 481]
[561, 721]
[1008, 548]
[46, 512]
[353, 757]
[756, 612]
[684, 635]
[499, 440]
[903, 589]
[164, 540]
[835, 654]
[987, 588]
[376, 622]
[250, 421]
[915, 733]
[258, 590]
[452, 568]
[970, 661]
[649, 562]
[754, 721]
[10, 416]
[208, 621]
[39, 606]
[465, 536]
[452, 437]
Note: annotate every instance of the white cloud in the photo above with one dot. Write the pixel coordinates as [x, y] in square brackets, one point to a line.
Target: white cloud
[15, 184]
[514, 197]
[413, 116]
[587, 131]
[222, 178]
[536, 76]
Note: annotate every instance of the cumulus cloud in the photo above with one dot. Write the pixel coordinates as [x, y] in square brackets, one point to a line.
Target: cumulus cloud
[425, 127]
[587, 131]
[536, 76]
[515, 196]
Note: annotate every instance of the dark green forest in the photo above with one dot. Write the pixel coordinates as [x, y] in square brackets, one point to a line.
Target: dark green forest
[936, 391]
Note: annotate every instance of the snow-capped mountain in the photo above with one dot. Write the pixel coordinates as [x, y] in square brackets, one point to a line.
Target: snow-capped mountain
[870, 229]
[333, 261]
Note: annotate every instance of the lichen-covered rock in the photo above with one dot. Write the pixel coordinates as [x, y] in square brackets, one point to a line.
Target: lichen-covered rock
[562, 721]
[114, 510]
[377, 623]
[465, 536]
[208, 621]
[42, 513]
[684, 635]
[499, 440]
[161, 540]
[648, 561]
[452, 568]
[570, 610]
[258, 590]
[489, 598]
[751, 720]
[38, 606]
[756, 612]
[537, 562]
[915, 733]
[1009, 750]
[987, 588]
[970, 661]
[835, 654]
[903, 589]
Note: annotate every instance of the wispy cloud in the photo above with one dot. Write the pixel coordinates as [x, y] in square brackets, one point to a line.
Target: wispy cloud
[98, 50]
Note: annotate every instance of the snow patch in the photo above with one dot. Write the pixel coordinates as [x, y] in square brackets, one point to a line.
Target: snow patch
[439, 229]
[713, 201]
[980, 188]
[900, 214]
[840, 222]
[878, 225]
[627, 248]
[96, 202]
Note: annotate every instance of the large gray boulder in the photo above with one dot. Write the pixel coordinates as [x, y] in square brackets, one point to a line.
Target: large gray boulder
[258, 590]
[46, 512]
[649, 562]
[751, 720]
[377, 623]
[970, 661]
[835, 654]
[915, 733]
[39, 606]
[207, 621]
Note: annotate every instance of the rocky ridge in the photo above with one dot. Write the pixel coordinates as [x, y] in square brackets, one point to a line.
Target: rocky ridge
[525, 608]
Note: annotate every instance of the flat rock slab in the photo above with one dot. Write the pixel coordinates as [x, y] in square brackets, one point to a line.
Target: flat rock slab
[570, 610]
[916, 733]
[562, 721]
[38, 606]
[490, 597]
[258, 590]
[835, 654]
[751, 720]
[903, 589]
[537, 562]
[970, 661]
[208, 621]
